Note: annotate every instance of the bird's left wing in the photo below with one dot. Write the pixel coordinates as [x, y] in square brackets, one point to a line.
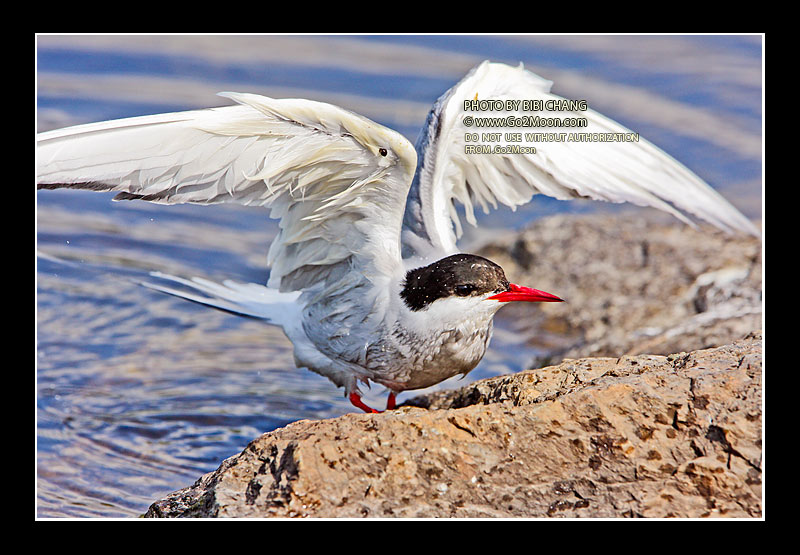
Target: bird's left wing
[336, 181]
[449, 172]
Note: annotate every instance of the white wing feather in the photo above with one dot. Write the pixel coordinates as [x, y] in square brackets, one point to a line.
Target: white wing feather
[339, 201]
[320, 169]
[636, 172]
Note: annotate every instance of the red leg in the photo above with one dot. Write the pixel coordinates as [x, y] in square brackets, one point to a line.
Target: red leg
[390, 402]
[355, 398]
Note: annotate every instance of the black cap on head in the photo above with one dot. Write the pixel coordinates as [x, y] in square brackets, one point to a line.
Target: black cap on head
[459, 275]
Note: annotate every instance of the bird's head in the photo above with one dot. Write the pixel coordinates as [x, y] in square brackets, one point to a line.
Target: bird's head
[464, 284]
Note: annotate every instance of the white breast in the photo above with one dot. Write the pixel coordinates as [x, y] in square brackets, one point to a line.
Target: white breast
[425, 347]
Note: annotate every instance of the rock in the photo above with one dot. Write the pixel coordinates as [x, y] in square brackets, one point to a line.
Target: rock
[632, 285]
[634, 436]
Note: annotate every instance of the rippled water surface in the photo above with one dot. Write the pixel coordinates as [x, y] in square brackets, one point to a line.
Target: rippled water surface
[140, 393]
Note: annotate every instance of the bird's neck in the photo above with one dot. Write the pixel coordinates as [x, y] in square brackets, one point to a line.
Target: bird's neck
[448, 314]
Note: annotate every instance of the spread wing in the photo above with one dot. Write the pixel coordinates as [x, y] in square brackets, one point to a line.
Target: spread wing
[636, 172]
[336, 181]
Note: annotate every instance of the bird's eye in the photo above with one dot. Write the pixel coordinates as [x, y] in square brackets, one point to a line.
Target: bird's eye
[383, 151]
[464, 289]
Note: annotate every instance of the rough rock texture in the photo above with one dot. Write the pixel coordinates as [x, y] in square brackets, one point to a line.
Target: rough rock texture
[632, 285]
[644, 436]
[618, 435]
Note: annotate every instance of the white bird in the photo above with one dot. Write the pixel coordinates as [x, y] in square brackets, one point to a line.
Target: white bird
[366, 279]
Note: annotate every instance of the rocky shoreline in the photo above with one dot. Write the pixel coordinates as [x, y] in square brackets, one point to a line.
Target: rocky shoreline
[649, 405]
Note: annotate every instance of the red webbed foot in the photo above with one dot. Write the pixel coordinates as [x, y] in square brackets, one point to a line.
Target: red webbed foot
[355, 399]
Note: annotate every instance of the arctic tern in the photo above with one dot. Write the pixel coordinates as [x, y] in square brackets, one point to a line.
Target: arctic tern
[366, 279]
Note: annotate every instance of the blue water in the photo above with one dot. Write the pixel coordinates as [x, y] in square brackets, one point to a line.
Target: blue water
[140, 393]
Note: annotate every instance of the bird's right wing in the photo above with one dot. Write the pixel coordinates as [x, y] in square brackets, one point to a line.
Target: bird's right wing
[336, 181]
[636, 171]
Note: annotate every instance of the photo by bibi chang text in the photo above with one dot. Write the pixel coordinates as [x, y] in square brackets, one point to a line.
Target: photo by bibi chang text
[527, 105]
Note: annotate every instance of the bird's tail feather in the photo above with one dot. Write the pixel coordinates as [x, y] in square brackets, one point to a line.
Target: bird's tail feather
[244, 299]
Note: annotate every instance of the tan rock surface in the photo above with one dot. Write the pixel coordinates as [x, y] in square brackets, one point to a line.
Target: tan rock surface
[649, 436]
[632, 285]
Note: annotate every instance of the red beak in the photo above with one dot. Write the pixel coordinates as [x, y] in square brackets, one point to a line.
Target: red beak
[519, 293]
